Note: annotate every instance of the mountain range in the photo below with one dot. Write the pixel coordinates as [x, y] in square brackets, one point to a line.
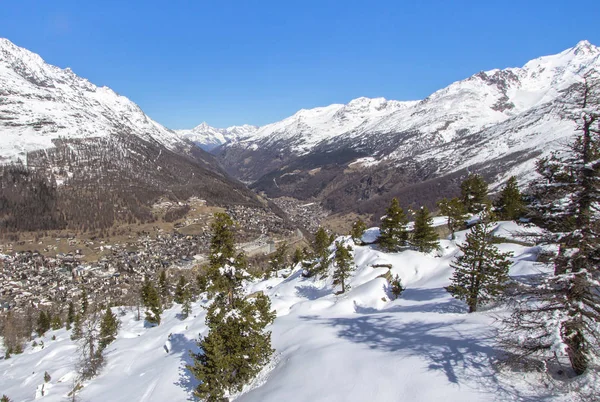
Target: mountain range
[358, 155]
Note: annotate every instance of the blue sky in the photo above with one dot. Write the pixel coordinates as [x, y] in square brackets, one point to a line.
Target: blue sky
[234, 62]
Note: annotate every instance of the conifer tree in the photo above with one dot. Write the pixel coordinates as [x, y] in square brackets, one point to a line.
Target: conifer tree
[180, 290]
[474, 193]
[77, 330]
[152, 302]
[298, 256]
[163, 287]
[236, 347]
[43, 323]
[510, 204]
[358, 229]
[566, 202]
[70, 315]
[5, 399]
[84, 302]
[47, 377]
[456, 212]
[278, 260]
[344, 265]
[424, 236]
[186, 305]
[393, 232]
[56, 322]
[109, 327]
[321, 251]
[481, 271]
[396, 287]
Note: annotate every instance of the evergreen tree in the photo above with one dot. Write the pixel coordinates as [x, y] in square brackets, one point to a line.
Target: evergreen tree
[424, 236]
[474, 193]
[70, 315]
[152, 302]
[186, 305]
[393, 232]
[510, 204]
[298, 256]
[236, 347]
[5, 399]
[456, 212]
[109, 327]
[320, 246]
[47, 377]
[344, 265]
[396, 287]
[43, 323]
[481, 271]
[201, 283]
[163, 287]
[77, 330]
[278, 260]
[357, 231]
[84, 302]
[56, 322]
[180, 290]
[566, 199]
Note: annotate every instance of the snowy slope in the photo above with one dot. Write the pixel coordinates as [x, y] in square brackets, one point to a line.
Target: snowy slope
[359, 346]
[40, 102]
[208, 137]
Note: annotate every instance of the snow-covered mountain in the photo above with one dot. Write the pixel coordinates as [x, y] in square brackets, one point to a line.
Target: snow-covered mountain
[208, 138]
[497, 122]
[40, 102]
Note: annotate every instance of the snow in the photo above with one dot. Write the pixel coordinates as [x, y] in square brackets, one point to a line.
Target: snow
[357, 346]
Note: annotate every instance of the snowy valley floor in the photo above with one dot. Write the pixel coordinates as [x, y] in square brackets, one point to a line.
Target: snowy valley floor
[359, 346]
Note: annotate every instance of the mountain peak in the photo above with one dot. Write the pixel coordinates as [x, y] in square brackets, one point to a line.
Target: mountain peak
[585, 47]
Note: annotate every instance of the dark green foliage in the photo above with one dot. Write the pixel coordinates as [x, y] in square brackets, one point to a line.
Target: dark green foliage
[201, 283]
[278, 259]
[77, 331]
[344, 265]
[481, 272]
[222, 245]
[180, 290]
[84, 302]
[424, 236]
[236, 347]
[320, 246]
[456, 212]
[393, 232]
[163, 286]
[109, 327]
[186, 305]
[298, 256]
[43, 323]
[357, 231]
[5, 399]
[70, 315]
[47, 377]
[56, 322]
[396, 287]
[510, 204]
[152, 302]
[474, 193]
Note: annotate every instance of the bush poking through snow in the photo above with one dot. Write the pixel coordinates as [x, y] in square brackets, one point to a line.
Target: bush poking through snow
[396, 287]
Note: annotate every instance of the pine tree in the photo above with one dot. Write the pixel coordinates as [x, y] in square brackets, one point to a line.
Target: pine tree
[47, 377]
[456, 212]
[320, 246]
[56, 322]
[152, 302]
[424, 236]
[396, 287]
[186, 305]
[358, 229]
[43, 323]
[70, 315]
[5, 399]
[566, 198]
[180, 290]
[163, 287]
[344, 265]
[474, 193]
[298, 256]
[510, 204]
[77, 330]
[481, 272]
[109, 327]
[278, 260]
[84, 302]
[236, 347]
[393, 232]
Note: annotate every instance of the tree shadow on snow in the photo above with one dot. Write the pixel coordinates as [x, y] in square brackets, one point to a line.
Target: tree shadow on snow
[465, 358]
[311, 292]
[180, 344]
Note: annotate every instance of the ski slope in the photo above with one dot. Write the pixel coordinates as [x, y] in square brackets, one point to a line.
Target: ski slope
[359, 346]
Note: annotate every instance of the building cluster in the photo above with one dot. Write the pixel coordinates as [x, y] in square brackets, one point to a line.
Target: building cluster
[307, 215]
